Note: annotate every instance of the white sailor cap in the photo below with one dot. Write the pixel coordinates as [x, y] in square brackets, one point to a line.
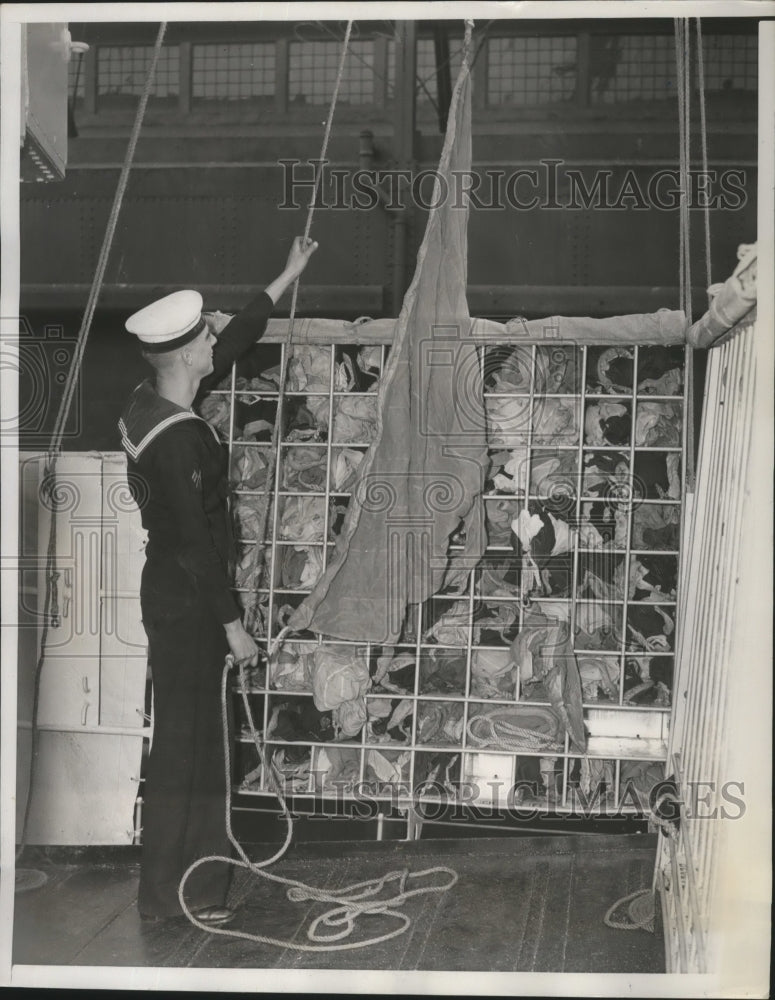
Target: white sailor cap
[168, 323]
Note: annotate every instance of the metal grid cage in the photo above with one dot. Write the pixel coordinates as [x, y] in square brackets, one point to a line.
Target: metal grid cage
[430, 715]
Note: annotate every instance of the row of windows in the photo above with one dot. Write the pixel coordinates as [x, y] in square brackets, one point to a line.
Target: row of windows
[531, 71]
[521, 71]
[312, 69]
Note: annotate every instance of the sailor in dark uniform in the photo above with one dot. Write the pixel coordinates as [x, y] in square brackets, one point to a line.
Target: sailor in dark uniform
[178, 474]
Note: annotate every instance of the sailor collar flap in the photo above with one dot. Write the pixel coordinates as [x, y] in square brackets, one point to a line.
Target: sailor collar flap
[146, 416]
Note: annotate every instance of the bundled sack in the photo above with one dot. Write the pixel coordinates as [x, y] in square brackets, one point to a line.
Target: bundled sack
[339, 673]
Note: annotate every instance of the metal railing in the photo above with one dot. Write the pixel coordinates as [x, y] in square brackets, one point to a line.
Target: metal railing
[688, 863]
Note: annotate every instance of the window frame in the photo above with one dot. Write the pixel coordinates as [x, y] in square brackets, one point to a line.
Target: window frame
[92, 109]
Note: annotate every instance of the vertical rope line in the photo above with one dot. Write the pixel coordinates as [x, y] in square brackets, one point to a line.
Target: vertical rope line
[686, 223]
[687, 90]
[286, 348]
[681, 167]
[683, 79]
[704, 144]
[319, 171]
[50, 611]
[107, 242]
[48, 486]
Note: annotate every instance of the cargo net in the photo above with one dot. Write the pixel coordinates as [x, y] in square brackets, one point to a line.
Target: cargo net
[585, 472]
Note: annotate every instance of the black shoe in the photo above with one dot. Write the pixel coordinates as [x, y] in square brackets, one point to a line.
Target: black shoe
[214, 916]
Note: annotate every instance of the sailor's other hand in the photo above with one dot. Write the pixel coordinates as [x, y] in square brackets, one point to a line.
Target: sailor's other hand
[298, 258]
[242, 645]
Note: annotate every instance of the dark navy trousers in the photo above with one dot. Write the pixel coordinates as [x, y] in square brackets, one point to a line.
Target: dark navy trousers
[184, 793]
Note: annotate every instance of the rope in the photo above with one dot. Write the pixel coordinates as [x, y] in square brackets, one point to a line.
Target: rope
[681, 174]
[327, 931]
[348, 903]
[669, 829]
[687, 160]
[684, 91]
[683, 77]
[51, 609]
[277, 642]
[704, 145]
[50, 618]
[27, 879]
[107, 242]
[273, 452]
[507, 736]
[641, 915]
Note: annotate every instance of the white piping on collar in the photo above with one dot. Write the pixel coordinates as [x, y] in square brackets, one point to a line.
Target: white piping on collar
[133, 451]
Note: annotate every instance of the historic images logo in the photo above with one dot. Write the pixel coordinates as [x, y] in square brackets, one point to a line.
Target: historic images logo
[525, 802]
[549, 184]
[40, 360]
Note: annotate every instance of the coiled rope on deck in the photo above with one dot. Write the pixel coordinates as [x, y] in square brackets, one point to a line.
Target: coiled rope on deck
[641, 910]
[347, 904]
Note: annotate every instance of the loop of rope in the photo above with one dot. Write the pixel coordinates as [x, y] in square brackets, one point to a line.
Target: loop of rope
[669, 829]
[645, 919]
[277, 642]
[51, 608]
[503, 734]
[348, 903]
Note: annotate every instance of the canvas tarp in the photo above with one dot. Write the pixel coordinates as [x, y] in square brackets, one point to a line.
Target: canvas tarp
[424, 474]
